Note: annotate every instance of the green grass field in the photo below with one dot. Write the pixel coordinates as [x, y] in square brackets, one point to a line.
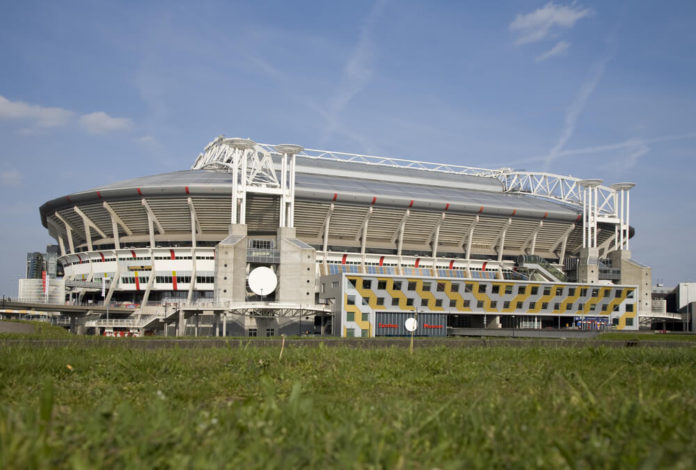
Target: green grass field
[104, 404]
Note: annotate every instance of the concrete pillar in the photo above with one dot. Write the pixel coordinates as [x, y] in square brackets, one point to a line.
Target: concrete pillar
[588, 265]
[493, 321]
[181, 324]
[224, 324]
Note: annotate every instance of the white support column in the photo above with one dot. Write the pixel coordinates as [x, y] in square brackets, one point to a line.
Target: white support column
[436, 239]
[284, 189]
[532, 239]
[628, 216]
[563, 242]
[117, 238]
[243, 190]
[590, 212]
[235, 186]
[115, 222]
[327, 224]
[61, 243]
[194, 229]
[288, 187]
[68, 232]
[291, 203]
[501, 245]
[88, 225]
[400, 232]
[469, 238]
[363, 235]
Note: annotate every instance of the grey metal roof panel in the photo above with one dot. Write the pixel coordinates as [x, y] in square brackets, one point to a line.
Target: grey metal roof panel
[323, 187]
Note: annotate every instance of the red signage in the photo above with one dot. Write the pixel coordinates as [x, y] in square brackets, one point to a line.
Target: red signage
[388, 325]
[432, 327]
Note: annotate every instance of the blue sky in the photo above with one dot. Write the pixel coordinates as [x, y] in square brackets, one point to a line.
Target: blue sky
[96, 92]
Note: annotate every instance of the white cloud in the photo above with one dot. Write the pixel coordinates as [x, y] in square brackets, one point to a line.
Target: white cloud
[41, 118]
[10, 178]
[100, 122]
[357, 70]
[575, 109]
[535, 26]
[38, 115]
[559, 49]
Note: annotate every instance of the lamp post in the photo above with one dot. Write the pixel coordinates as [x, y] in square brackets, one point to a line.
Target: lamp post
[513, 326]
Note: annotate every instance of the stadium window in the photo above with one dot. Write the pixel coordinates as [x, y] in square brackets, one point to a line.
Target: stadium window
[440, 286]
[556, 306]
[616, 308]
[519, 305]
[607, 292]
[365, 301]
[468, 288]
[482, 288]
[629, 308]
[479, 304]
[395, 301]
[593, 307]
[595, 292]
[270, 331]
[453, 303]
[381, 285]
[438, 302]
[508, 290]
[581, 306]
[506, 304]
[571, 291]
[397, 285]
[544, 305]
[380, 300]
[350, 316]
[547, 290]
[559, 291]
[495, 289]
[466, 303]
[630, 294]
[365, 316]
[426, 287]
[352, 281]
[629, 321]
[350, 333]
[261, 244]
[617, 293]
[411, 285]
[535, 290]
[494, 305]
[454, 288]
[409, 302]
[351, 300]
[615, 322]
[252, 332]
[605, 308]
[367, 284]
[521, 290]
[583, 292]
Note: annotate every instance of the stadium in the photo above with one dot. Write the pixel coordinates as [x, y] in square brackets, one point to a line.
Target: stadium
[263, 240]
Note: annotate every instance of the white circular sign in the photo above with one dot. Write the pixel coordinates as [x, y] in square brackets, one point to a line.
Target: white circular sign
[262, 281]
[411, 324]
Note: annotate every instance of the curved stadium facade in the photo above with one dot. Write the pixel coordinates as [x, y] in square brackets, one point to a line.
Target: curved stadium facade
[356, 244]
